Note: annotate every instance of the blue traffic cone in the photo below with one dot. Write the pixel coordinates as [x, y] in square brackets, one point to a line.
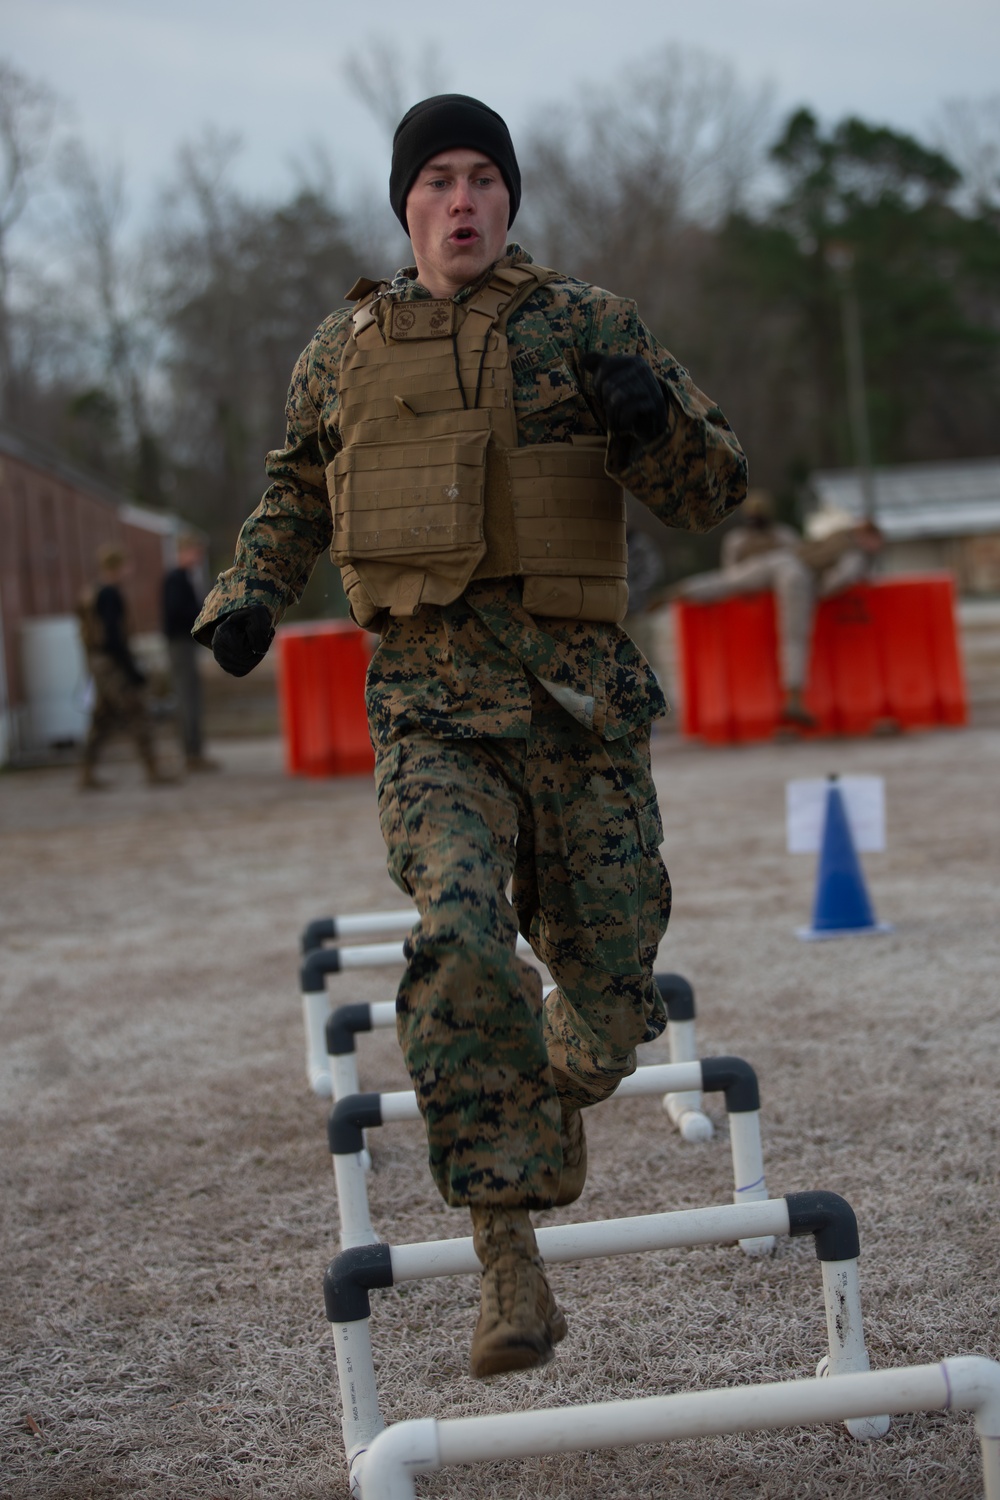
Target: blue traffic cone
[841, 905]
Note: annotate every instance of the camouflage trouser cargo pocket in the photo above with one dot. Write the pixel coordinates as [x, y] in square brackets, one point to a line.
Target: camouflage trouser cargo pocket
[597, 897]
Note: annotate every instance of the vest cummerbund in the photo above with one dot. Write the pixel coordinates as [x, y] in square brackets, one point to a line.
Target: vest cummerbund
[430, 489]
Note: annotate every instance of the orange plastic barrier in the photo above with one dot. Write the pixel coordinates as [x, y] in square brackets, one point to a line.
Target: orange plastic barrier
[321, 692]
[886, 650]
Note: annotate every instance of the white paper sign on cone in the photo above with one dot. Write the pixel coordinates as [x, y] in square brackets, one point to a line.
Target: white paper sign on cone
[864, 803]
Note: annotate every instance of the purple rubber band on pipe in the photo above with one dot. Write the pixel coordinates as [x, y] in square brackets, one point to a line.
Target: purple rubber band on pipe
[947, 1386]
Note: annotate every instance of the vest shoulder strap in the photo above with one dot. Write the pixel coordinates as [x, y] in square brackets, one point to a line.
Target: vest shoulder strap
[363, 287]
[538, 276]
[365, 293]
[505, 291]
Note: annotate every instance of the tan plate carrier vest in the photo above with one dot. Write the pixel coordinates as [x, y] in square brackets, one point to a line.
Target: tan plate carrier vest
[431, 490]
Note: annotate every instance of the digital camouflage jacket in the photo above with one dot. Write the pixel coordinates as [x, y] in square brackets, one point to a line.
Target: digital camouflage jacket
[461, 669]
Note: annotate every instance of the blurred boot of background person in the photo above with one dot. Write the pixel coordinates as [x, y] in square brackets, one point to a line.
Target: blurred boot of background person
[182, 603]
[118, 683]
[645, 574]
[760, 553]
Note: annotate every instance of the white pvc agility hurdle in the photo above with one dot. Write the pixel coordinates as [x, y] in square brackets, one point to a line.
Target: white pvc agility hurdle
[331, 1063]
[423, 1446]
[826, 1216]
[730, 1076]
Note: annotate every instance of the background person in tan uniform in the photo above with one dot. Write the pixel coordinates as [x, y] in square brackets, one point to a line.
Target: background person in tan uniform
[760, 553]
[462, 439]
[119, 701]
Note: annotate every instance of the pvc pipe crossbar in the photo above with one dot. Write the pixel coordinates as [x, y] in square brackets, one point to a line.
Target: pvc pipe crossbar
[827, 1217]
[333, 1070]
[331, 1066]
[557, 1243]
[359, 925]
[425, 1445]
[731, 1076]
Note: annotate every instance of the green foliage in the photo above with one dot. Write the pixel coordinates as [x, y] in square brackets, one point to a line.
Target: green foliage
[868, 212]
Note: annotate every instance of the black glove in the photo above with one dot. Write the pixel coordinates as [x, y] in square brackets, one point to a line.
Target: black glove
[629, 394]
[241, 639]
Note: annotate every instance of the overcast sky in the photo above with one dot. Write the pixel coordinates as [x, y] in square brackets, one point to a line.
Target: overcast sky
[141, 76]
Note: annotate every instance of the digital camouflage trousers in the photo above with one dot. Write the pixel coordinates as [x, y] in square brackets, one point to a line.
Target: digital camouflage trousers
[570, 824]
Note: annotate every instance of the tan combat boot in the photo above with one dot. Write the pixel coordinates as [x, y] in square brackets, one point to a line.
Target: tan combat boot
[519, 1319]
[574, 1150]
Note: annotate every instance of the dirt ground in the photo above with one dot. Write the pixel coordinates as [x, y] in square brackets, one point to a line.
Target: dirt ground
[168, 1200]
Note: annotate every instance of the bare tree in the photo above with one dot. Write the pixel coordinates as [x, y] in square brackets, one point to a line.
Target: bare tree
[109, 272]
[385, 86]
[28, 118]
[674, 142]
[243, 286]
[968, 132]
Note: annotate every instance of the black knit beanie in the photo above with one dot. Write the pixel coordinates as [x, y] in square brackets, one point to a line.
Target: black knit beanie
[443, 123]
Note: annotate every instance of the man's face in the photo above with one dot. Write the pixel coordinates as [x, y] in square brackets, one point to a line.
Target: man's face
[457, 212]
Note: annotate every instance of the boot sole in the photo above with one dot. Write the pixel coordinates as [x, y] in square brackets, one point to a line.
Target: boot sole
[519, 1354]
[506, 1358]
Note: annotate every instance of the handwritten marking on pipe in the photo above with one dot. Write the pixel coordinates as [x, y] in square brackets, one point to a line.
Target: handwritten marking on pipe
[751, 1185]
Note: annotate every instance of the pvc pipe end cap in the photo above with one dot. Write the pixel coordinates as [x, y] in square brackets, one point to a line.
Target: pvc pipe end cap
[695, 1126]
[321, 1083]
[761, 1245]
[868, 1429]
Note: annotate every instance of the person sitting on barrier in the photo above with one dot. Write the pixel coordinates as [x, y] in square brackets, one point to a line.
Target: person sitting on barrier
[760, 553]
[472, 424]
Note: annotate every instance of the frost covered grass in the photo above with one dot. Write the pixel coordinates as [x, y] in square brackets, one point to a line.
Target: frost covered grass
[168, 1200]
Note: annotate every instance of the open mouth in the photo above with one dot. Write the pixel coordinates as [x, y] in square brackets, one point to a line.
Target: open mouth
[465, 235]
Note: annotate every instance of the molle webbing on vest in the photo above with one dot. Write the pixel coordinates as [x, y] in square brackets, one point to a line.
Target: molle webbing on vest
[563, 521]
[430, 489]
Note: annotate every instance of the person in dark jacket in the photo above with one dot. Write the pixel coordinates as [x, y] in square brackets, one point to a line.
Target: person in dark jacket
[181, 605]
[119, 701]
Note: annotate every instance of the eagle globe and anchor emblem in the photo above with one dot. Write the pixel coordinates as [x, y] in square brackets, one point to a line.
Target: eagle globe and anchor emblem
[426, 320]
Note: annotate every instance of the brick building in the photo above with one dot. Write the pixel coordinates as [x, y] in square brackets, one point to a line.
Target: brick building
[53, 519]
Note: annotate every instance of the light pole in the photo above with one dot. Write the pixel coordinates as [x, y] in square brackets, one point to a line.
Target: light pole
[840, 259]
